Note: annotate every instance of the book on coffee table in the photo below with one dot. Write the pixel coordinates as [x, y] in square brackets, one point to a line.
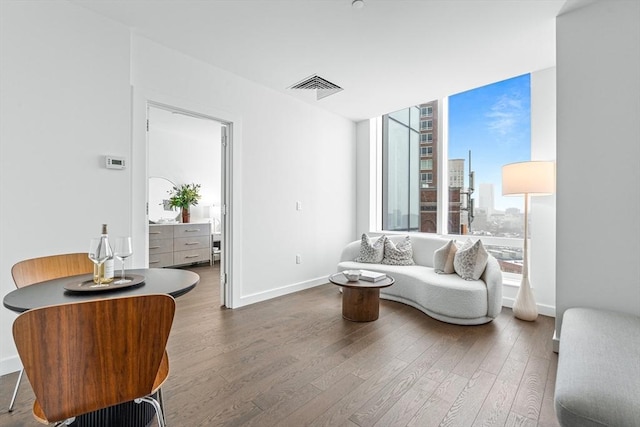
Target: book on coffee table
[371, 276]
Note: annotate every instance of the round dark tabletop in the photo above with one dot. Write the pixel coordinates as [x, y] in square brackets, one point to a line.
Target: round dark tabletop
[340, 280]
[174, 282]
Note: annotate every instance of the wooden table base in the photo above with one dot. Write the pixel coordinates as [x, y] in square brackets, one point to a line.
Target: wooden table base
[360, 304]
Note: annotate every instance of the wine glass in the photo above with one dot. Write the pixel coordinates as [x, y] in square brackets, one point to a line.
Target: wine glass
[99, 252]
[122, 251]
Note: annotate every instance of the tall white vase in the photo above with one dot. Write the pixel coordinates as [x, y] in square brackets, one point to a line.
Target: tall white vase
[524, 307]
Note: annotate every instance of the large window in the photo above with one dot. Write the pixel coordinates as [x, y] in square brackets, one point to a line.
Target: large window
[488, 127]
[401, 203]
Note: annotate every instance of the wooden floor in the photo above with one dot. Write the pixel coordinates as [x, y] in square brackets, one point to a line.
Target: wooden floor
[293, 361]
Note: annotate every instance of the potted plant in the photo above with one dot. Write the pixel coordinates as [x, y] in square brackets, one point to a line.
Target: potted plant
[183, 197]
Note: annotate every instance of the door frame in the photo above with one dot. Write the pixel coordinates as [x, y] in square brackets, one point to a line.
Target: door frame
[142, 101]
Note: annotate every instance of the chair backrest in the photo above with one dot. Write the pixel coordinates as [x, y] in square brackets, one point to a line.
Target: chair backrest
[37, 270]
[84, 356]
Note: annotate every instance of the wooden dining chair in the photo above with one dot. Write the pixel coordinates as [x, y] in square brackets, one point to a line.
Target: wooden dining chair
[86, 356]
[36, 270]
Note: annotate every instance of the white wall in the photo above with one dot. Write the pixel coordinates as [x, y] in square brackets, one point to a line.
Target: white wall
[284, 151]
[65, 104]
[66, 77]
[543, 208]
[598, 169]
[367, 177]
[185, 158]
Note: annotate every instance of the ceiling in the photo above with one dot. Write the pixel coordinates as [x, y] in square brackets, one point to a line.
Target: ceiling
[386, 56]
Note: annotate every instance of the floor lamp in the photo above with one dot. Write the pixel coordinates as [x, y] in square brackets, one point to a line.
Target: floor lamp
[527, 179]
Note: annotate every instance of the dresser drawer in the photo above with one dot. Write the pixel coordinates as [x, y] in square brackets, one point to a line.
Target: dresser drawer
[188, 257]
[190, 230]
[164, 231]
[190, 243]
[160, 246]
[160, 260]
[179, 244]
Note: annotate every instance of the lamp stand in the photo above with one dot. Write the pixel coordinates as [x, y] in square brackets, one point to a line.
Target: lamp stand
[524, 306]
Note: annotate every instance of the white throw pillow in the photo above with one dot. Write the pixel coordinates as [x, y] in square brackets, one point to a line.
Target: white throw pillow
[443, 258]
[400, 254]
[371, 252]
[470, 260]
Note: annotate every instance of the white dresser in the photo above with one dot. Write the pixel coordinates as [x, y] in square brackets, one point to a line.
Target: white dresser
[179, 244]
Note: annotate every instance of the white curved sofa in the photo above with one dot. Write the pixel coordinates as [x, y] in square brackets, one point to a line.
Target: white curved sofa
[446, 297]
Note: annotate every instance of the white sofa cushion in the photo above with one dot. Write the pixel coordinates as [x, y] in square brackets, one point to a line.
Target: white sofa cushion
[443, 258]
[470, 260]
[371, 251]
[400, 254]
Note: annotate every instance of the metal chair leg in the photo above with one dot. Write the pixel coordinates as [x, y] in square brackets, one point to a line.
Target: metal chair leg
[161, 400]
[156, 406]
[15, 391]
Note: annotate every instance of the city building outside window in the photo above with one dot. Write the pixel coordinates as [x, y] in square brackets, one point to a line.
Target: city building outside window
[426, 111]
[426, 151]
[426, 164]
[426, 124]
[426, 177]
[426, 137]
[487, 128]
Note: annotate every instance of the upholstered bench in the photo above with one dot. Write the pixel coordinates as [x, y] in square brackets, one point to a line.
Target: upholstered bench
[598, 378]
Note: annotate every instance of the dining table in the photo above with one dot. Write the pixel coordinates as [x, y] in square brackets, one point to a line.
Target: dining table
[172, 281]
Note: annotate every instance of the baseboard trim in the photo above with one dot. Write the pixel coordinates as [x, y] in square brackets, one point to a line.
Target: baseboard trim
[10, 364]
[278, 292]
[545, 310]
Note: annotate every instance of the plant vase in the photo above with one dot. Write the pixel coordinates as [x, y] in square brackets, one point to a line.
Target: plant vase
[186, 215]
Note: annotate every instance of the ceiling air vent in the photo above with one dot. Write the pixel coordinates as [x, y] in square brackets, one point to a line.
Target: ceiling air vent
[322, 86]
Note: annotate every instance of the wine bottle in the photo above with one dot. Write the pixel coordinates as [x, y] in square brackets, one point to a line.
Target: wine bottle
[106, 271]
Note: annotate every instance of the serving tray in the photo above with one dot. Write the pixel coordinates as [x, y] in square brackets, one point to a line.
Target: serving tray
[90, 286]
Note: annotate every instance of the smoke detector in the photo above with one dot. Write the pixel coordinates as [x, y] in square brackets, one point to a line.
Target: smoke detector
[323, 87]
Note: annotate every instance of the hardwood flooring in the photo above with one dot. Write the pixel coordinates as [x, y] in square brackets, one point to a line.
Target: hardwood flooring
[293, 361]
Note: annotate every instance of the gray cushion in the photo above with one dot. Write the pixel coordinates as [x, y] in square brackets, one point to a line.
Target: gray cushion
[371, 252]
[443, 258]
[470, 260]
[400, 254]
[598, 378]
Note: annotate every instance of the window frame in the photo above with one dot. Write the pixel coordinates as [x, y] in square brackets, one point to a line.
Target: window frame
[426, 162]
[426, 151]
[428, 124]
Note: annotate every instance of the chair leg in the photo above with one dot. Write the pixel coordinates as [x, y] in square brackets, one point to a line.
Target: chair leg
[66, 422]
[15, 391]
[161, 400]
[156, 406]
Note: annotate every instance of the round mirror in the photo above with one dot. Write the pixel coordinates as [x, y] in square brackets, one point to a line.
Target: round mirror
[159, 210]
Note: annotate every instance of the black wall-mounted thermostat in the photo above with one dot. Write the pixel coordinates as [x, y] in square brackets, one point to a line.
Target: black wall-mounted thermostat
[115, 162]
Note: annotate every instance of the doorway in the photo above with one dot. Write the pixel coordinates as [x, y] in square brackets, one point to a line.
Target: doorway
[187, 147]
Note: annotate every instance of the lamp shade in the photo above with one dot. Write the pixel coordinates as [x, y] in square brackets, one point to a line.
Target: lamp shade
[534, 178]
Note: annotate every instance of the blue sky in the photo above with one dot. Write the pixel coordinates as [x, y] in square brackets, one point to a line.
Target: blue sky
[494, 122]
